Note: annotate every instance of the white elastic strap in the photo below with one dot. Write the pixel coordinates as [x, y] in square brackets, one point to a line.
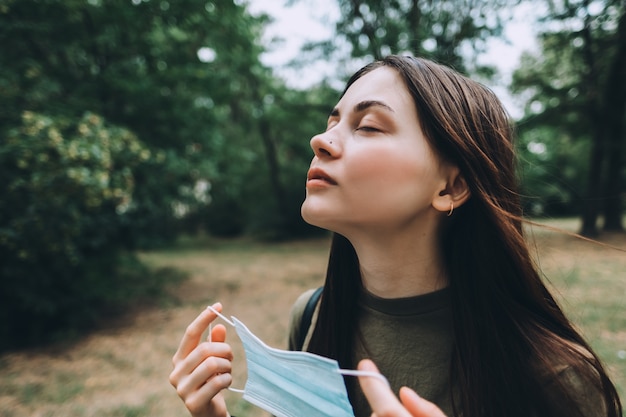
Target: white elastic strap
[364, 373]
[220, 315]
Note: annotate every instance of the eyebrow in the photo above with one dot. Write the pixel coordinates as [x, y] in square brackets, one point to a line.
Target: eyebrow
[364, 105]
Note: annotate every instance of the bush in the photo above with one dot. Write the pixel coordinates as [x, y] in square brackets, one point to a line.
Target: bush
[67, 189]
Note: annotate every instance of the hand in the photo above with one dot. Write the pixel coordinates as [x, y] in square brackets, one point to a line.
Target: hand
[385, 404]
[203, 369]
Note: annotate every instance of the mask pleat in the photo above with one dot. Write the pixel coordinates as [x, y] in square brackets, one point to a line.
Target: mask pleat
[292, 384]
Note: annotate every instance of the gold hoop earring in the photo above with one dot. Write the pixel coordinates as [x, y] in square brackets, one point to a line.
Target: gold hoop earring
[451, 209]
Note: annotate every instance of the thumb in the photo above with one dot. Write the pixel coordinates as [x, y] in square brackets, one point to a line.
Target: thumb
[218, 333]
[417, 406]
[380, 397]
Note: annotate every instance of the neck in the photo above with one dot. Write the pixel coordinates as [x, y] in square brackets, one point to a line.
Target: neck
[401, 265]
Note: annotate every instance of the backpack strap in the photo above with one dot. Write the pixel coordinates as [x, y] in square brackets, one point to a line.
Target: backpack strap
[307, 316]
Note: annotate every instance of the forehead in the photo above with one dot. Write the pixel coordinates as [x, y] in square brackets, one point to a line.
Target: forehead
[382, 84]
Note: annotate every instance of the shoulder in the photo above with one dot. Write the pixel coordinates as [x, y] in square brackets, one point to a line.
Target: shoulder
[297, 309]
[579, 383]
[295, 317]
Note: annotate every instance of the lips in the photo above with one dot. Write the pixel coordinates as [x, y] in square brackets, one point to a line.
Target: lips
[318, 175]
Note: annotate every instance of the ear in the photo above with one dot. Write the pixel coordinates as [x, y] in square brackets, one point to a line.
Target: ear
[455, 192]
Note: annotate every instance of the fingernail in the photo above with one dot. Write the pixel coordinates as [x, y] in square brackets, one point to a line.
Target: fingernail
[406, 391]
[367, 365]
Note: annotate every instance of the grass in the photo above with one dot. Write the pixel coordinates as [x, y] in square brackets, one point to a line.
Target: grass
[589, 280]
[121, 367]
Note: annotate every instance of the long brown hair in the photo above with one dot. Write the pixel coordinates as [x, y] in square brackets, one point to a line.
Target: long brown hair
[507, 325]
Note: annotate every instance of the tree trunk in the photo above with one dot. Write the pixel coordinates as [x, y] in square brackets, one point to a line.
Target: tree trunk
[613, 208]
[274, 166]
[415, 17]
[615, 93]
[593, 195]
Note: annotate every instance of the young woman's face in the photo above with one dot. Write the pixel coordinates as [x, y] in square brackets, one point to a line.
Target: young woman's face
[373, 168]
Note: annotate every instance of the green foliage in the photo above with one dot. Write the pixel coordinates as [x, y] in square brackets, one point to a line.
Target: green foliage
[198, 134]
[445, 31]
[554, 141]
[576, 101]
[173, 73]
[67, 188]
[551, 165]
[291, 119]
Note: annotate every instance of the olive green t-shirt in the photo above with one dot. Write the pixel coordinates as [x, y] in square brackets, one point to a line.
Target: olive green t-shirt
[393, 333]
[411, 340]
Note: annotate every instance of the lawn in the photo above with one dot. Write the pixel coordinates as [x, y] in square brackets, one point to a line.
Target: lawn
[120, 368]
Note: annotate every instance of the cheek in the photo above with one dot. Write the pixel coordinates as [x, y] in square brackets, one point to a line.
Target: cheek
[386, 170]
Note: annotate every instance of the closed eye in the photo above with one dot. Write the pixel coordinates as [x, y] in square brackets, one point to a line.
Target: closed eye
[370, 129]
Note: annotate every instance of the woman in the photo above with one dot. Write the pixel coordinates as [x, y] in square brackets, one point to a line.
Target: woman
[429, 274]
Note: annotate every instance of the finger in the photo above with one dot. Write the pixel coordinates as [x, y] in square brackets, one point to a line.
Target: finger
[204, 373]
[201, 353]
[201, 399]
[380, 397]
[194, 332]
[218, 333]
[417, 406]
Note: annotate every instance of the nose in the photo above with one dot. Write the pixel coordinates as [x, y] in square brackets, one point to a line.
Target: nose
[325, 145]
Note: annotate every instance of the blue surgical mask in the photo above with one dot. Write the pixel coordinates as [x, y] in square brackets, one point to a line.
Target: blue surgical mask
[293, 384]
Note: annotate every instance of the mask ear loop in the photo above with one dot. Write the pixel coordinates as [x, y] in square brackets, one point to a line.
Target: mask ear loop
[220, 315]
[223, 317]
[351, 372]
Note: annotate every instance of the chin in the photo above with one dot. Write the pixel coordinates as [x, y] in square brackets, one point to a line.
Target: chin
[307, 216]
[315, 217]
